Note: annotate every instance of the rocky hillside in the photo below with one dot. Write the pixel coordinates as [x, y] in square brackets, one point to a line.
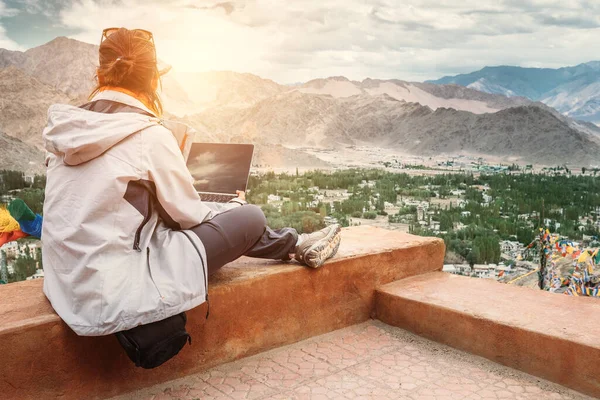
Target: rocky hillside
[433, 96]
[17, 155]
[65, 64]
[24, 102]
[10, 58]
[529, 132]
[574, 91]
[418, 118]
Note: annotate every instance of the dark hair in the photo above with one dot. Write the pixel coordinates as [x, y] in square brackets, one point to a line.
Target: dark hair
[128, 61]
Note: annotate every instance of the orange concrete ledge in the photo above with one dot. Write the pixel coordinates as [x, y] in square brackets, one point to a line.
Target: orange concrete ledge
[552, 336]
[255, 305]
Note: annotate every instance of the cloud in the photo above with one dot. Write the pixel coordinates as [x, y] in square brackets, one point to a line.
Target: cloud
[298, 41]
[47, 7]
[6, 11]
[5, 41]
[227, 6]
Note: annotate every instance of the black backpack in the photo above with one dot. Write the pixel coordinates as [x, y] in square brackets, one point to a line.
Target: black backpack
[150, 345]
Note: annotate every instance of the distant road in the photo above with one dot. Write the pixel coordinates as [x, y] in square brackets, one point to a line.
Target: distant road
[529, 280]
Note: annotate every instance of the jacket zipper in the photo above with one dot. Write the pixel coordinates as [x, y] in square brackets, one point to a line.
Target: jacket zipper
[138, 232]
[203, 272]
[150, 272]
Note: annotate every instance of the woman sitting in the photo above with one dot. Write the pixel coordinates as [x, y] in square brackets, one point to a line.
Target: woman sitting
[126, 238]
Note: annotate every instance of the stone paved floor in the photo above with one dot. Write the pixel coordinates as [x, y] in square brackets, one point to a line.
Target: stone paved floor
[366, 361]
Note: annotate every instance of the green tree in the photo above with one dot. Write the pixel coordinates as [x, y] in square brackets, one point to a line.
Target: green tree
[24, 266]
[11, 180]
[525, 235]
[39, 182]
[446, 223]
[473, 256]
[572, 213]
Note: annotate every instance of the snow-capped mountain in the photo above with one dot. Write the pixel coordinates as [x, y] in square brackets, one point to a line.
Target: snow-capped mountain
[571, 90]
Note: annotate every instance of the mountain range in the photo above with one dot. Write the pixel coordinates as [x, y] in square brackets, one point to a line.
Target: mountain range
[432, 118]
[574, 91]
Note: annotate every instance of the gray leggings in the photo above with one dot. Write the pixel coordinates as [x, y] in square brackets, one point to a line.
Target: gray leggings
[243, 231]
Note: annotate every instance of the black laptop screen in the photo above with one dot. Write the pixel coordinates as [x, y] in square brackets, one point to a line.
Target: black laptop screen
[219, 167]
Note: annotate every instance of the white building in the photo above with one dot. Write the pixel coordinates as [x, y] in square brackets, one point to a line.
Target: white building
[463, 269]
[461, 203]
[420, 213]
[39, 273]
[369, 184]
[458, 269]
[32, 250]
[587, 238]
[459, 225]
[11, 249]
[449, 268]
[511, 248]
[330, 220]
[410, 202]
[484, 271]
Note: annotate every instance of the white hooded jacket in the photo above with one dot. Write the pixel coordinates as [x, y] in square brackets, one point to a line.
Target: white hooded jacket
[117, 249]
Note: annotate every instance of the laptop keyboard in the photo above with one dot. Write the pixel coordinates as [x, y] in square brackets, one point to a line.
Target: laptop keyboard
[217, 197]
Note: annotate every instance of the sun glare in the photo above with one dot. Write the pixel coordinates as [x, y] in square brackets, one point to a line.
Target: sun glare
[212, 44]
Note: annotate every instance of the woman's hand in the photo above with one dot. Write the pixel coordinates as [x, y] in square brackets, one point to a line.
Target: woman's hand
[241, 194]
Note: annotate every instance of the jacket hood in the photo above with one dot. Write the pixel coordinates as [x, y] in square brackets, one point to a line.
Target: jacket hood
[80, 135]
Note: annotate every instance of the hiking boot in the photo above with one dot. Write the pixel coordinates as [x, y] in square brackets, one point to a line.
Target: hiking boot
[316, 247]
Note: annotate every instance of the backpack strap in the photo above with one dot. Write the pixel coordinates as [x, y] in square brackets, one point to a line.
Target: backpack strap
[113, 107]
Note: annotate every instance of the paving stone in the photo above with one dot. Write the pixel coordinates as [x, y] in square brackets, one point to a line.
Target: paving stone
[236, 384]
[366, 361]
[330, 352]
[205, 391]
[344, 384]
[302, 363]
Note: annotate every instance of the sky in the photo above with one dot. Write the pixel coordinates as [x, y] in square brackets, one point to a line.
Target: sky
[295, 41]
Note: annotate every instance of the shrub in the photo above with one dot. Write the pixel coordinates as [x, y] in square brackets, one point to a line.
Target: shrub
[370, 215]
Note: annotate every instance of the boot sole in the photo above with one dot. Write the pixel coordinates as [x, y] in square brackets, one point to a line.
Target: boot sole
[324, 249]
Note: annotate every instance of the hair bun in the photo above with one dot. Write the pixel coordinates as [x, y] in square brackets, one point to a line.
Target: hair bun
[119, 70]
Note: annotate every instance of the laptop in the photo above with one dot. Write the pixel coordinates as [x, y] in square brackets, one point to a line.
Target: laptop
[219, 169]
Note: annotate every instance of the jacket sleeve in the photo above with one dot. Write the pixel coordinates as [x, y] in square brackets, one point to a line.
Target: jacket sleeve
[166, 168]
[221, 207]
